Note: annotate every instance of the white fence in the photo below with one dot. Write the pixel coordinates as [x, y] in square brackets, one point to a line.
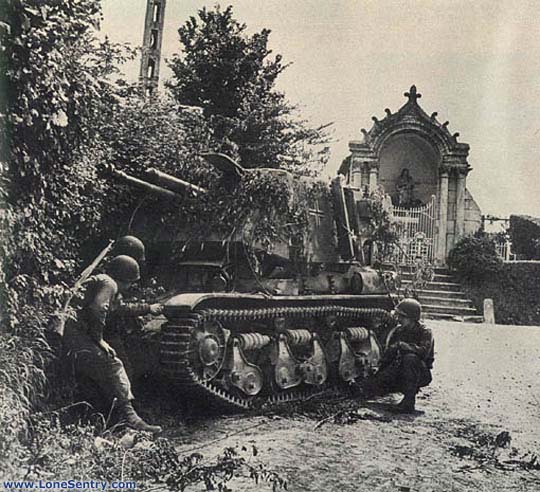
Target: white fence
[504, 250]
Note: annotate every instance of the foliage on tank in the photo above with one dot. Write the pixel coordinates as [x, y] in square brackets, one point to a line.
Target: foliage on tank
[382, 224]
[264, 208]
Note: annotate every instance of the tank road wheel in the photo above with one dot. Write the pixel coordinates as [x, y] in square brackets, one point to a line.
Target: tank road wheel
[208, 342]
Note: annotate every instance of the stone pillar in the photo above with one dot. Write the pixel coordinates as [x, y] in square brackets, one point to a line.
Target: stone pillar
[356, 180]
[443, 215]
[460, 205]
[373, 177]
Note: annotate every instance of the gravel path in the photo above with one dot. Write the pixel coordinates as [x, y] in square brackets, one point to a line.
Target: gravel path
[486, 383]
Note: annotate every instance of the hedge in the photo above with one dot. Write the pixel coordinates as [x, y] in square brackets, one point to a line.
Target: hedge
[525, 235]
[515, 290]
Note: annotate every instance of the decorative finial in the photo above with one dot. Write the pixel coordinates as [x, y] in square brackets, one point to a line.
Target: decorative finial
[375, 119]
[364, 132]
[388, 112]
[412, 94]
[445, 124]
[455, 135]
[434, 115]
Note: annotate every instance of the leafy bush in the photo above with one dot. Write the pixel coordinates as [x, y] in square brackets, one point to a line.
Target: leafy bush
[55, 85]
[383, 230]
[515, 290]
[56, 74]
[525, 236]
[81, 450]
[474, 259]
[514, 287]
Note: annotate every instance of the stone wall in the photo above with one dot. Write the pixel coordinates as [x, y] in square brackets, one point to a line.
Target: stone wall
[473, 215]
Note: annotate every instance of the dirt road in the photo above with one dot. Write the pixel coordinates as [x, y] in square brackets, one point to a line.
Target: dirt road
[486, 383]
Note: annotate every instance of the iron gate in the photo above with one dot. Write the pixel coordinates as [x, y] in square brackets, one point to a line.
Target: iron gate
[416, 231]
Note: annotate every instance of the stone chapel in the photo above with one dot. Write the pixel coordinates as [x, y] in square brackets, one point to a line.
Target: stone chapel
[423, 168]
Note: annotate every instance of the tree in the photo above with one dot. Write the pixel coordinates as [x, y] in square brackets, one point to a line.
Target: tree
[156, 133]
[56, 77]
[232, 76]
[55, 85]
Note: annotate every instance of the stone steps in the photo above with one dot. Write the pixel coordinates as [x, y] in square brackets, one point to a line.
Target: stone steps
[443, 297]
[442, 301]
[442, 294]
[452, 310]
[475, 318]
[440, 286]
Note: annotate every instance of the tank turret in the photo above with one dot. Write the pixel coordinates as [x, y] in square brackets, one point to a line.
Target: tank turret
[247, 326]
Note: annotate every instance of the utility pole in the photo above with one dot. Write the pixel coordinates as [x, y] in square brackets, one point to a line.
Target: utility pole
[151, 48]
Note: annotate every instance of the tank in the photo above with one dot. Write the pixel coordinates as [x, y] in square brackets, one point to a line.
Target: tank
[247, 327]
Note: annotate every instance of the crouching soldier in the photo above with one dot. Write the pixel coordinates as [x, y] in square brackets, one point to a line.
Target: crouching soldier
[408, 359]
[91, 356]
[118, 329]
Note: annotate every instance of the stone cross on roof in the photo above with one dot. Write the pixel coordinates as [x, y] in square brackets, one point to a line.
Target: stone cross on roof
[412, 94]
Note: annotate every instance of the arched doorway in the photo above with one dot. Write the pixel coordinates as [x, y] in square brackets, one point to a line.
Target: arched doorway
[410, 152]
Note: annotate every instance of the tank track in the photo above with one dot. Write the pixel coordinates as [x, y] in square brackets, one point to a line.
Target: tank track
[175, 351]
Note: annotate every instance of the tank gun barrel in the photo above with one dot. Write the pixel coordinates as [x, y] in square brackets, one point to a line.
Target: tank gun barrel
[173, 183]
[142, 185]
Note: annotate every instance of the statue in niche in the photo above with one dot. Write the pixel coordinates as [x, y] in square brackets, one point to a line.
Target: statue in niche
[405, 189]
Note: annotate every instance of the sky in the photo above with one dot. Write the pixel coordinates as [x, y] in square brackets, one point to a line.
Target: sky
[475, 62]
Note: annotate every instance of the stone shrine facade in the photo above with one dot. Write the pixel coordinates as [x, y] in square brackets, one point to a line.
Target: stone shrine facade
[417, 161]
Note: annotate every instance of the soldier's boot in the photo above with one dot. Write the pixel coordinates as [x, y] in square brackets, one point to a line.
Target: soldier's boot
[370, 389]
[407, 405]
[129, 415]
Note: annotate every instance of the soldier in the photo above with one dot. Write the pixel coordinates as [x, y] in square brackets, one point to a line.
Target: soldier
[115, 332]
[408, 358]
[92, 357]
[130, 246]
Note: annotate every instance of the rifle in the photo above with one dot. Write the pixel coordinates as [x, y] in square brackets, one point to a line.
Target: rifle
[59, 322]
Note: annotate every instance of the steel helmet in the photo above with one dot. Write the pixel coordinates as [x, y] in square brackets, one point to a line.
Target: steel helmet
[410, 308]
[124, 268]
[130, 246]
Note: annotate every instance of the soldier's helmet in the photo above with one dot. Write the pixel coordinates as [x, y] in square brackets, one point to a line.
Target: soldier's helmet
[124, 269]
[410, 308]
[130, 246]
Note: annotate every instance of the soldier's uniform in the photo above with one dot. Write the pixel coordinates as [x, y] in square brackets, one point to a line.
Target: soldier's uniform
[121, 324]
[408, 360]
[82, 336]
[90, 356]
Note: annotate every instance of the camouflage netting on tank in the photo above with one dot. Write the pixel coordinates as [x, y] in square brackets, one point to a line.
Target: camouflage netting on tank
[264, 208]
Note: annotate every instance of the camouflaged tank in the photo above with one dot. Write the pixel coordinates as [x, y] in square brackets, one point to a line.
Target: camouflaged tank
[242, 338]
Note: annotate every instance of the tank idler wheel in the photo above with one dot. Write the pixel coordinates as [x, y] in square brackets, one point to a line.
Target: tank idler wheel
[209, 342]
